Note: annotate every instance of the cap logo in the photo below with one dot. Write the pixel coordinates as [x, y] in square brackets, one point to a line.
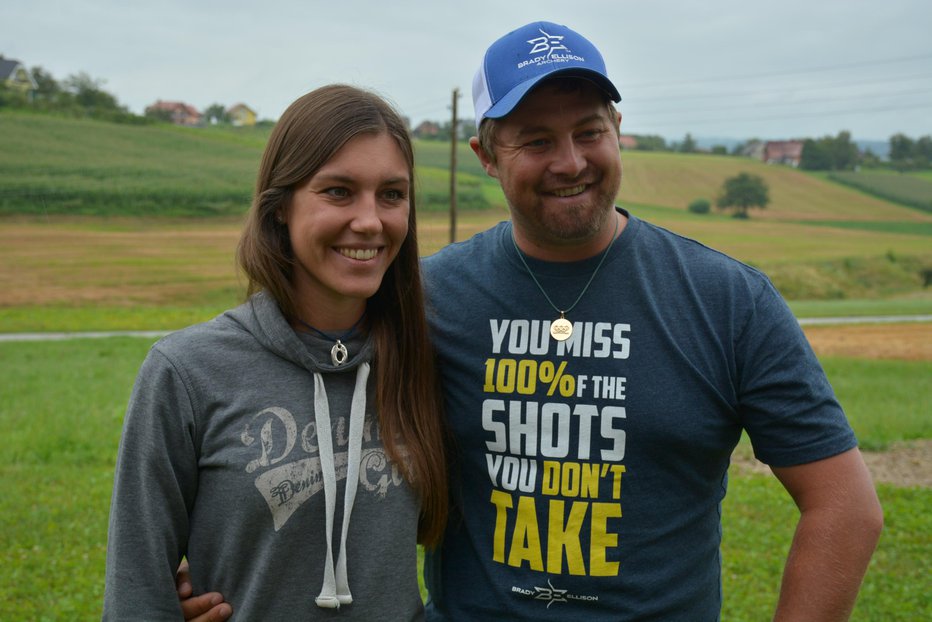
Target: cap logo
[546, 49]
[548, 43]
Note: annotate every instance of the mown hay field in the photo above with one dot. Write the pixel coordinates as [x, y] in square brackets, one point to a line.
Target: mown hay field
[675, 180]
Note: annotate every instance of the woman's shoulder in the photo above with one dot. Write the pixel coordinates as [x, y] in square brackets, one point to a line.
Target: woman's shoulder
[211, 336]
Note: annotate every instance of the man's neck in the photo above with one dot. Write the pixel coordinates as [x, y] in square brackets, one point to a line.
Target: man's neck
[571, 250]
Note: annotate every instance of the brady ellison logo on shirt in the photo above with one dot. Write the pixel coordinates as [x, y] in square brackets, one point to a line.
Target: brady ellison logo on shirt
[551, 594]
[549, 492]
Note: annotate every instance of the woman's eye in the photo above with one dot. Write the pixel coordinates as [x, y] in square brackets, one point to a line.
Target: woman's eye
[395, 195]
[337, 192]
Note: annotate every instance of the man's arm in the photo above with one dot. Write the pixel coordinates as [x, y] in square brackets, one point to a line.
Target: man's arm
[204, 608]
[839, 525]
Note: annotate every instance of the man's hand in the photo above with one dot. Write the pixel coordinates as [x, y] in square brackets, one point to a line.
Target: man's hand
[207, 607]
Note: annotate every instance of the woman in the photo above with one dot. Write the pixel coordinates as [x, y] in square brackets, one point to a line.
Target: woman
[251, 444]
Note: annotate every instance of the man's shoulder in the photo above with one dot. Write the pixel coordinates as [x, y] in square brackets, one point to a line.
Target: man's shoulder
[456, 253]
[665, 244]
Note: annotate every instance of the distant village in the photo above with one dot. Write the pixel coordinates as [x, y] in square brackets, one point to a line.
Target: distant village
[180, 113]
[787, 152]
[22, 84]
[36, 89]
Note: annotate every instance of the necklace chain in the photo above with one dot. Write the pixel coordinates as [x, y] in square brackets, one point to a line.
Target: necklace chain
[563, 312]
[348, 333]
[338, 353]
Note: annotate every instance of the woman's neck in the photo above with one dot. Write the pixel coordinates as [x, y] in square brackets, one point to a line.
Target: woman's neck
[330, 319]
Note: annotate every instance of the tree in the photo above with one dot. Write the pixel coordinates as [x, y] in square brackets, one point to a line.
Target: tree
[650, 142]
[901, 151]
[742, 192]
[924, 151]
[815, 157]
[829, 154]
[688, 145]
[10, 97]
[216, 113]
[869, 159]
[844, 152]
[89, 95]
[48, 91]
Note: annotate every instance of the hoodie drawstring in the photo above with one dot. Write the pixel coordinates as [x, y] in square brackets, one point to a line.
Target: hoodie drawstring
[335, 590]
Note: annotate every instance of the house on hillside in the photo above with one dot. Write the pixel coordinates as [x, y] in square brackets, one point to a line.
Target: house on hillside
[178, 113]
[14, 75]
[783, 152]
[241, 115]
[427, 129]
[627, 142]
[753, 149]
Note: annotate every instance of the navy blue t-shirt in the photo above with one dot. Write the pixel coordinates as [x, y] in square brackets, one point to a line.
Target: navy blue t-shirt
[590, 472]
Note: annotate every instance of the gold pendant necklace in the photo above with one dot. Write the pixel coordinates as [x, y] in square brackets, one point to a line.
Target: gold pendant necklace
[561, 328]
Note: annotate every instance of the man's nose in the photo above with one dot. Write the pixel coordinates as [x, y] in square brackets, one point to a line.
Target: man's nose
[569, 159]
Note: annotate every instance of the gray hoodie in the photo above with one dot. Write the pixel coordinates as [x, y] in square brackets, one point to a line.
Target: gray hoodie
[223, 460]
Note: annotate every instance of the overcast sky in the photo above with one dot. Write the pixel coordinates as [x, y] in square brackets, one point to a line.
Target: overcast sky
[719, 68]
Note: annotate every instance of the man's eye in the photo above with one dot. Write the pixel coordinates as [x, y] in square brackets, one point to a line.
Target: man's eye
[337, 192]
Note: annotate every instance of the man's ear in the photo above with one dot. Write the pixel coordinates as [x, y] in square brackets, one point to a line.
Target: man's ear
[490, 169]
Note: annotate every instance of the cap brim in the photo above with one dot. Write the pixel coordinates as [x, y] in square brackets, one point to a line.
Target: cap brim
[506, 104]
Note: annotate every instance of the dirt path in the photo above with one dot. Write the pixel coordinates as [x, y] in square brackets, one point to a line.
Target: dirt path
[907, 464]
[907, 341]
[903, 464]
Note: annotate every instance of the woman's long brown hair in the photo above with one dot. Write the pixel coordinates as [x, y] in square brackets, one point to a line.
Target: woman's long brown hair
[408, 399]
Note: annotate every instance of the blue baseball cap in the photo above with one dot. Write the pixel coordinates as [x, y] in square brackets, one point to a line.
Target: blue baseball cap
[517, 62]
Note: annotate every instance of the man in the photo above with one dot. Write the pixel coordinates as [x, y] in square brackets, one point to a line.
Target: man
[598, 372]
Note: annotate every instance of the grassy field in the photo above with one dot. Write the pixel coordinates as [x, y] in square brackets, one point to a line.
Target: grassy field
[106, 227]
[675, 180]
[69, 273]
[907, 189]
[62, 402]
[62, 405]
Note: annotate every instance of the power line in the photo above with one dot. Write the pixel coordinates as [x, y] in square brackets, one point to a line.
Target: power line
[786, 72]
[777, 89]
[789, 103]
[833, 113]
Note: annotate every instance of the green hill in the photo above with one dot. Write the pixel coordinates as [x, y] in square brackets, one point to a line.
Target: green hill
[675, 180]
[54, 165]
[818, 239]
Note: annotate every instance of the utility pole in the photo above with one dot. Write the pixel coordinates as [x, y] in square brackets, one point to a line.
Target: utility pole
[453, 137]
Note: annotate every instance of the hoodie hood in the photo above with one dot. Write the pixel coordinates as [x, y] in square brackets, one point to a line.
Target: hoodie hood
[263, 319]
